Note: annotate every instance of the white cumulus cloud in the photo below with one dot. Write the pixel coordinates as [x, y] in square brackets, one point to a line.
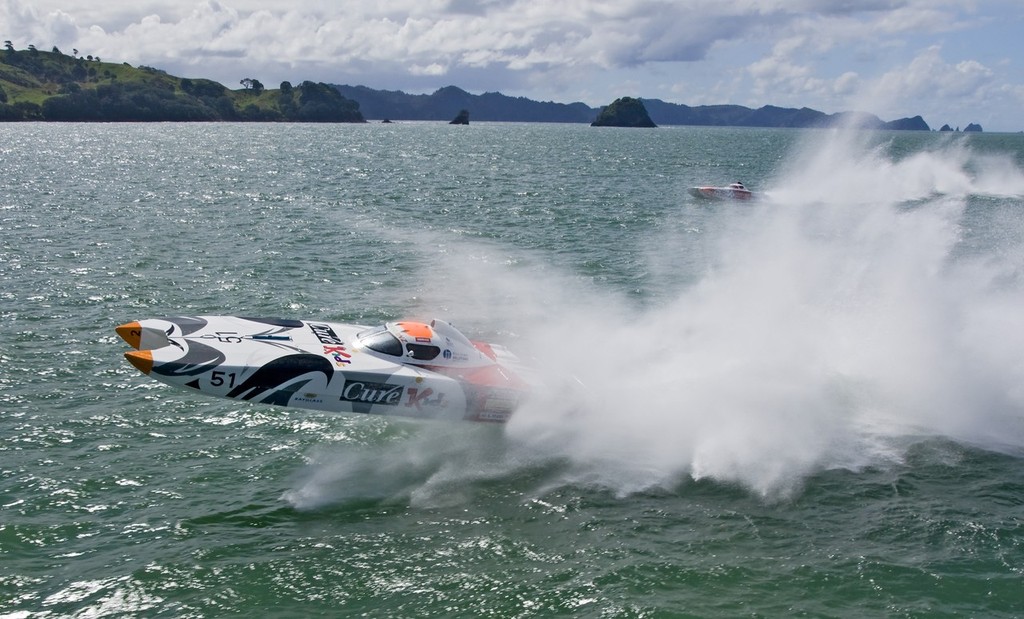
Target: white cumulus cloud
[755, 52]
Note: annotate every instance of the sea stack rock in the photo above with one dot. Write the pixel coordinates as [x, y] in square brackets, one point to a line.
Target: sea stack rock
[624, 112]
[461, 119]
[973, 127]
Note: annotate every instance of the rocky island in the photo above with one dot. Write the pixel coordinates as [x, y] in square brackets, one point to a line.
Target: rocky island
[624, 112]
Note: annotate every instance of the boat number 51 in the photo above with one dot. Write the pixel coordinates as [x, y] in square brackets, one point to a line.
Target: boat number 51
[218, 378]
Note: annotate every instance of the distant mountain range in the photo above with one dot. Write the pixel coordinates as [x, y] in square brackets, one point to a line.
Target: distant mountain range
[445, 103]
[37, 85]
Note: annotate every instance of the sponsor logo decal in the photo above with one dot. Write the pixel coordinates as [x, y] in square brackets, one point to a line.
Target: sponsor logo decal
[499, 402]
[325, 334]
[372, 393]
[456, 356]
[418, 398]
[339, 354]
[493, 416]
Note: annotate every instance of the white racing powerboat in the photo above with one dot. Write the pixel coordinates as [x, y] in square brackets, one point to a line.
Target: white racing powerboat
[409, 369]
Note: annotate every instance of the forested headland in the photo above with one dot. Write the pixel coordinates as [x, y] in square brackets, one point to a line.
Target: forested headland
[55, 86]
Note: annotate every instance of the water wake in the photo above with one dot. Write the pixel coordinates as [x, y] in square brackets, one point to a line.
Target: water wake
[874, 300]
[836, 322]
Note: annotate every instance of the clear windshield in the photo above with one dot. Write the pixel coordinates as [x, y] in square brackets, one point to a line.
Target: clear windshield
[382, 341]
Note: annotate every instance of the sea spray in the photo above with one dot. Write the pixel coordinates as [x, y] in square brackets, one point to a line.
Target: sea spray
[832, 324]
[833, 321]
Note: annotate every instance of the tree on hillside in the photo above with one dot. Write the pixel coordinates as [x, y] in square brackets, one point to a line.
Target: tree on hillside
[9, 46]
[252, 84]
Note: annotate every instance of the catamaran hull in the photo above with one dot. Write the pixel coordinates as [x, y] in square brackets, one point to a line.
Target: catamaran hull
[721, 193]
[316, 365]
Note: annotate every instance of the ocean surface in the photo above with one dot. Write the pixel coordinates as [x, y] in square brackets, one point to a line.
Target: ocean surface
[810, 405]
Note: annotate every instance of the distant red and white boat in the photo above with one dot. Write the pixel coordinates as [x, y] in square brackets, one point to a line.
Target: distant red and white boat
[735, 191]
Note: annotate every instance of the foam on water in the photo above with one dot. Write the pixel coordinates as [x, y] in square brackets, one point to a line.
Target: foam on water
[832, 325]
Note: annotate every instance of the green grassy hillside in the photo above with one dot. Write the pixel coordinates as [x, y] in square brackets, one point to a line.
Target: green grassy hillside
[38, 85]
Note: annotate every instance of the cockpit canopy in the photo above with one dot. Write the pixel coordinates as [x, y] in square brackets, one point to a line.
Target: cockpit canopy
[419, 343]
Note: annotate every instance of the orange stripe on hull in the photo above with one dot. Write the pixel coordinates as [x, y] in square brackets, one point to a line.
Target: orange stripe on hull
[141, 359]
[485, 348]
[132, 333]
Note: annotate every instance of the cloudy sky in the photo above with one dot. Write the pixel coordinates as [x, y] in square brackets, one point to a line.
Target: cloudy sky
[951, 61]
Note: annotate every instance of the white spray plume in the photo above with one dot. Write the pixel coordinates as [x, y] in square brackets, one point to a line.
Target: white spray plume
[835, 321]
[832, 325]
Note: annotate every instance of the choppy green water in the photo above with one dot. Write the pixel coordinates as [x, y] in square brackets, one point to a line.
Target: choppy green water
[808, 406]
